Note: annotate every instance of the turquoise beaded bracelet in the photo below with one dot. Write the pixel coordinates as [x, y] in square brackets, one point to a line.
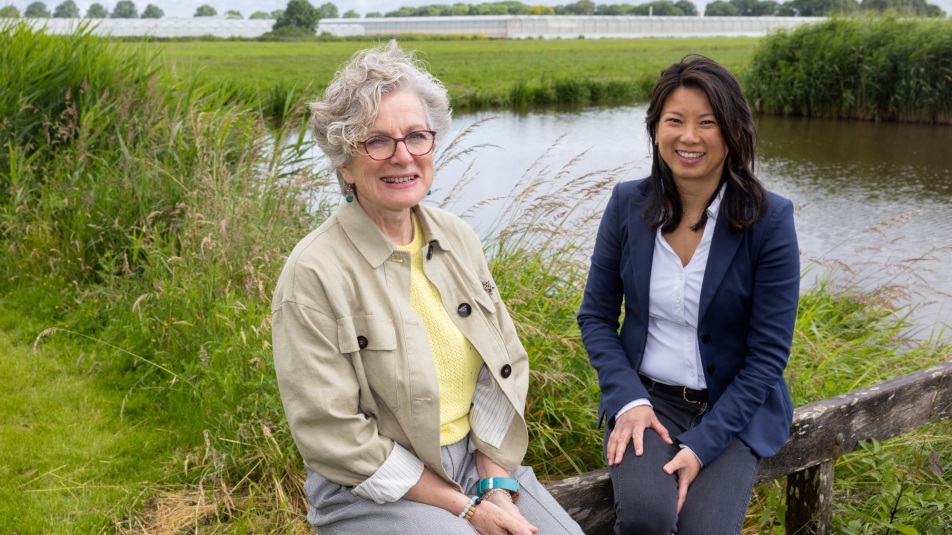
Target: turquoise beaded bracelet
[473, 502]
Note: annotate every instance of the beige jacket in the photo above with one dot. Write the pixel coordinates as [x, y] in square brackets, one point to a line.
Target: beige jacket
[353, 361]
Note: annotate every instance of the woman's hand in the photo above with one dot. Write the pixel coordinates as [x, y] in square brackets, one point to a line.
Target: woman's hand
[631, 426]
[687, 466]
[504, 502]
[486, 467]
[490, 519]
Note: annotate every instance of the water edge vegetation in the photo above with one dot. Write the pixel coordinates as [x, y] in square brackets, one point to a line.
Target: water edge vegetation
[144, 216]
[881, 68]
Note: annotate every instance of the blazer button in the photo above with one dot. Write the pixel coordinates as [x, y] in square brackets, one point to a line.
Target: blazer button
[464, 309]
[506, 371]
[362, 342]
[705, 338]
[710, 369]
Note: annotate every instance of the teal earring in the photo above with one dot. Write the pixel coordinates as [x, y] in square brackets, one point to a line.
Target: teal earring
[349, 193]
[428, 192]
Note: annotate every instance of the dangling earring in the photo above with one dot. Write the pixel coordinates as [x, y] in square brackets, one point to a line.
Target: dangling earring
[428, 192]
[349, 192]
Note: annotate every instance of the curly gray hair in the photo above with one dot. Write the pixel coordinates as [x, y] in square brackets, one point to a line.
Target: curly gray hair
[342, 119]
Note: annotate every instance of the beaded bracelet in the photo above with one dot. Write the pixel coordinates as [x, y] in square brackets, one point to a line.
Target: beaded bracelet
[470, 508]
[472, 511]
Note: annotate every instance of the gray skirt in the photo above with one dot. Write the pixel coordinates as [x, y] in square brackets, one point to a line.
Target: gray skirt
[335, 510]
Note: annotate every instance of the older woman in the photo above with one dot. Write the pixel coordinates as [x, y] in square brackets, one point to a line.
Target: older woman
[401, 374]
[707, 265]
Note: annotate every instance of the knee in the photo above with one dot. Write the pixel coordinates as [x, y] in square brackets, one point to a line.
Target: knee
[646, 517]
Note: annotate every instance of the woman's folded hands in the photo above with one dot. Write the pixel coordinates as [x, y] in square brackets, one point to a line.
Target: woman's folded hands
[499, 516]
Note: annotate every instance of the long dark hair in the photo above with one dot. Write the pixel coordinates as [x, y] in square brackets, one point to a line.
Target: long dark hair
[745, 198]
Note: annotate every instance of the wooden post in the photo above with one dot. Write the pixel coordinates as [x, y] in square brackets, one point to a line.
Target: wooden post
[810, 500]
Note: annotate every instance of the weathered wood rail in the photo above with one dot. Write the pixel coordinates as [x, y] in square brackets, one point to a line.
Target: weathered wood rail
[820, 433]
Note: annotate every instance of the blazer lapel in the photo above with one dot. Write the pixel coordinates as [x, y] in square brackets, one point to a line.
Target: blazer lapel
[641, 248]
[724, 246]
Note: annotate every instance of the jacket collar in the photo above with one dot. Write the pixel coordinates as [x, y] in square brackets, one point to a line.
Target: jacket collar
[724, 246]
[641, 241]
[372, 243]
[641, 245]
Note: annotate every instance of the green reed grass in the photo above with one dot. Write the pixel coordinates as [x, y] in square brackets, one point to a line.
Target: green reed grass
[866, 67]
[146, 220]
[153, 214]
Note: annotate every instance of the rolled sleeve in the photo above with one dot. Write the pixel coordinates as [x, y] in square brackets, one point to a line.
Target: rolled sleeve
[401, 471]
[491, 414]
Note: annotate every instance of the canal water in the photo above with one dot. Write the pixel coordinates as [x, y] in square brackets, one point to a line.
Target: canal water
[874, 198]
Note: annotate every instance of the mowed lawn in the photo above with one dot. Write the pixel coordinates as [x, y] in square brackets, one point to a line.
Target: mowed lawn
[464, 66]
[78, 444]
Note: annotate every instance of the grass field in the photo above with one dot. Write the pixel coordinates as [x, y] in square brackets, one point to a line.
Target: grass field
[477, 73]
[69, 463]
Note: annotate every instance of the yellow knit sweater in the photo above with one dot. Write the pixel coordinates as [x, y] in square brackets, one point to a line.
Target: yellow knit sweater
[457, 362]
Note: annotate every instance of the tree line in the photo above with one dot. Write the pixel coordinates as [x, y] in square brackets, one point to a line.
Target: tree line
[668, 8]
[302, 14]
[821, 8]
[126, 9]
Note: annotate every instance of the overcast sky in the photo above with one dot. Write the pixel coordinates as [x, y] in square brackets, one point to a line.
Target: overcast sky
[186, 8]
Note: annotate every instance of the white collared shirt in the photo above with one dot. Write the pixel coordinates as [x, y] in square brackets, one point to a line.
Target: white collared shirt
[672, 355]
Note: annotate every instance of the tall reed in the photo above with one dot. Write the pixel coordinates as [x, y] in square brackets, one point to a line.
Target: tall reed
[153, 213]
[867, 67]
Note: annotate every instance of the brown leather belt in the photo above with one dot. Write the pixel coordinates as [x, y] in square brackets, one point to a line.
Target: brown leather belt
[687, 394]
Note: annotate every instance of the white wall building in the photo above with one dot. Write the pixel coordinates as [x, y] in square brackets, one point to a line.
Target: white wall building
[494, 26]
[167, 27]
[550, 27]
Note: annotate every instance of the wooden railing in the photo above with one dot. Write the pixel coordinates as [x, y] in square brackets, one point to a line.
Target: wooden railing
[820, 433]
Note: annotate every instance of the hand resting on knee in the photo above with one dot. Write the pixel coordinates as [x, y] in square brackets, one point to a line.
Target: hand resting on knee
[631, 425]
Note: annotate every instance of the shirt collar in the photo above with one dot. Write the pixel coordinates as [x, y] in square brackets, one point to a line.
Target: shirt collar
[372, 243]
[716, 205]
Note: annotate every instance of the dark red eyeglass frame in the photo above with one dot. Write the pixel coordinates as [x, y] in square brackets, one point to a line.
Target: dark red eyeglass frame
[404, 140]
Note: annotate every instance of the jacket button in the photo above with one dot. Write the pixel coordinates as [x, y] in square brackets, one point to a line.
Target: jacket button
[506, 371]
[464, 310]
[705, 338]
[362, 342]
[710, 369]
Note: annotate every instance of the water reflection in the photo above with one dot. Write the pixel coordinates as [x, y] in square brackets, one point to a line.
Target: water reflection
[878, 193]
[865, 158]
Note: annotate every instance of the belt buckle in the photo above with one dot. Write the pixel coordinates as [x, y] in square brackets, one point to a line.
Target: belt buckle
[684, 394]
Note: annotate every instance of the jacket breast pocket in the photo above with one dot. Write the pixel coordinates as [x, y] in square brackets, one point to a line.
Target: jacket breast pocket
[372, 344]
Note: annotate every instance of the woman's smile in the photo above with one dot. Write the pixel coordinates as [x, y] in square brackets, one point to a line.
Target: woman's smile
[404, 180]
[689, 158]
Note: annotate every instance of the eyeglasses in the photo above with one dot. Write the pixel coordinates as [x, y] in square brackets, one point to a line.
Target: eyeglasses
[418, 143]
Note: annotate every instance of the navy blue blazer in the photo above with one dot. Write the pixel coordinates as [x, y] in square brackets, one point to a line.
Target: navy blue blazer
[747, 311]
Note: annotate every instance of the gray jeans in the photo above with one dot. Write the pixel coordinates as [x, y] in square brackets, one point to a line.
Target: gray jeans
[335, 510]
[646, 499]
